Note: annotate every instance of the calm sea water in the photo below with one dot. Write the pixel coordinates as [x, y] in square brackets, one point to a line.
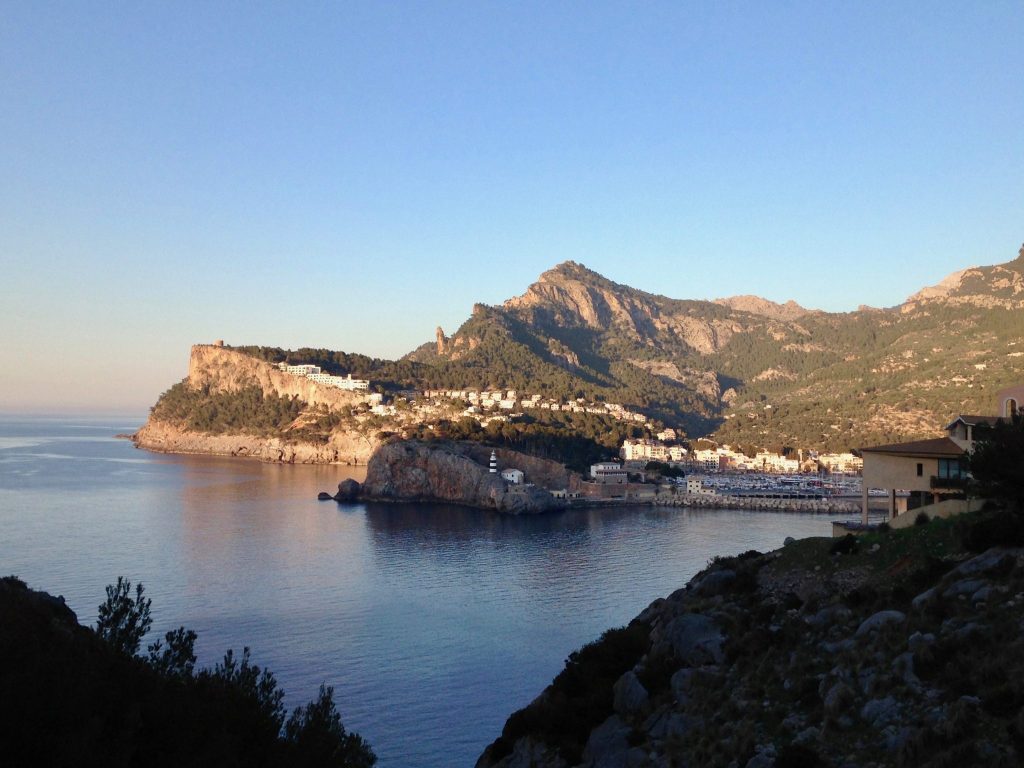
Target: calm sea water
[433, 623]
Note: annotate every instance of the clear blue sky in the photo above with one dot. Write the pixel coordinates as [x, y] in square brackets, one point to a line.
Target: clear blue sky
[350, 175]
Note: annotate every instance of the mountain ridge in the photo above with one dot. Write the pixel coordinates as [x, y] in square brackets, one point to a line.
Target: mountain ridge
[759, 351]
[742, 371]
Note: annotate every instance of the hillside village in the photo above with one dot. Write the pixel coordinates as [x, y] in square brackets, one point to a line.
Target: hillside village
[488, 406]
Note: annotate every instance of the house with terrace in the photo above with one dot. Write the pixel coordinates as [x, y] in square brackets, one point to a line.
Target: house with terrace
[931, 471]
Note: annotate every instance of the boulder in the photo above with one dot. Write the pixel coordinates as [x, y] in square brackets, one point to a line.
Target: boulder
[714, 583]
[693, 638]
[608, 745]
[348, 490]
[324, 496]
[879, 620]
[630, 694]
[881, 712]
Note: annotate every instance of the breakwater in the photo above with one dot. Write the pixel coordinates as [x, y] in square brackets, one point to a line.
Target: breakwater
[761, 503]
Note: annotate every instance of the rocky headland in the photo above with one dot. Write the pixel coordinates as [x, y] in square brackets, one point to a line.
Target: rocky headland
[215, 370]
[901, 648]
[458, 473]
[341, 448]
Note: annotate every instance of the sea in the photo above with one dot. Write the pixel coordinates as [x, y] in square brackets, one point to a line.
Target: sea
[433, 623]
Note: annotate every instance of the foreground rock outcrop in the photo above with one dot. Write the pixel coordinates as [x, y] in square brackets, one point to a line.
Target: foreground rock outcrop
[448, 472]
[897, 649]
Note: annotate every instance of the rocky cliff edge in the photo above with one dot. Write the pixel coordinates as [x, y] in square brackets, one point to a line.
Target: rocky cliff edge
[447, 472]
[897, 649]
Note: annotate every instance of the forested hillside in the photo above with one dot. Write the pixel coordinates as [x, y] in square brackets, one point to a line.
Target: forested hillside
[777, 375]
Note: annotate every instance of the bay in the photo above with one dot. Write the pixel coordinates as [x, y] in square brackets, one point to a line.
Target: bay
[432, 622]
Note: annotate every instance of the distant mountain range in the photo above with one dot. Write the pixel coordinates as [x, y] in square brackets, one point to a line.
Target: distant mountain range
[743, 370]
[747, 370]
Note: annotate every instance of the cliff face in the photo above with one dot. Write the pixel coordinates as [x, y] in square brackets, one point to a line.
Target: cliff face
[572, 295]
[895, 649]
[415, 471]
[225, 370]
[344, 447]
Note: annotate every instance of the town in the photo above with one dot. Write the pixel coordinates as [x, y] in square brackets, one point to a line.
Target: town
[664, 445]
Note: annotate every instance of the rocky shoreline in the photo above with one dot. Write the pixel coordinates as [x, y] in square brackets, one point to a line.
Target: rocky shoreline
[342, 448]
[895, 649]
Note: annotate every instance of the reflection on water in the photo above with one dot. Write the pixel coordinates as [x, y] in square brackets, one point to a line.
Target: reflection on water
[433, 622]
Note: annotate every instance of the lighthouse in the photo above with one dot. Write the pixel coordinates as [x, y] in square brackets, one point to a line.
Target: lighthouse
[494, 463]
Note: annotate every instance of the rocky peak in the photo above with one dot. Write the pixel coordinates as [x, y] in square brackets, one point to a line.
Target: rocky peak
[764, 307]
[990, 286]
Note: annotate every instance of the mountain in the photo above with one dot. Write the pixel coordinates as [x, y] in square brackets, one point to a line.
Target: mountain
[748, 371]
[742, 370]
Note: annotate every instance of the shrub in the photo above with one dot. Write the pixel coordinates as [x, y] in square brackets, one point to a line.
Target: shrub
[922, 519]
[123, 620]
[847, 545]
[985, 530]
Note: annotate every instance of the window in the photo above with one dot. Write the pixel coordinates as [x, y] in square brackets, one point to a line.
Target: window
[1011, 407]
[920, 470]
[952, 469]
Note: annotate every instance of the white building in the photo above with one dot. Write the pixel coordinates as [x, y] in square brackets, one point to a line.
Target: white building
[696, 485]
[514, 476]
[638, 450]
[299, 370]
[608, 472]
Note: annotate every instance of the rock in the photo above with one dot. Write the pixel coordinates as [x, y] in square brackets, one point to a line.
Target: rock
[444, 472]
[838, 699]
[348, 490]
[879, 620]
[881, 712]
[714, 583]
[788, 540]
[918, 642]
[903, 666]
[681, 682]
[630, 694]
[833, 614]
[608, 745]
[982, 595]
[986, 561]
[527, 753]
[693, 638]
[924, 598]
[964, 587]
[324, 496]
[807, 736]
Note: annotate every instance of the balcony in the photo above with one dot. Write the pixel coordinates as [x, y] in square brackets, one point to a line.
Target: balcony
[949, 483]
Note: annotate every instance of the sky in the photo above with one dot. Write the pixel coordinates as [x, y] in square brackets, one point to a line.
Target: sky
[352, 175]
